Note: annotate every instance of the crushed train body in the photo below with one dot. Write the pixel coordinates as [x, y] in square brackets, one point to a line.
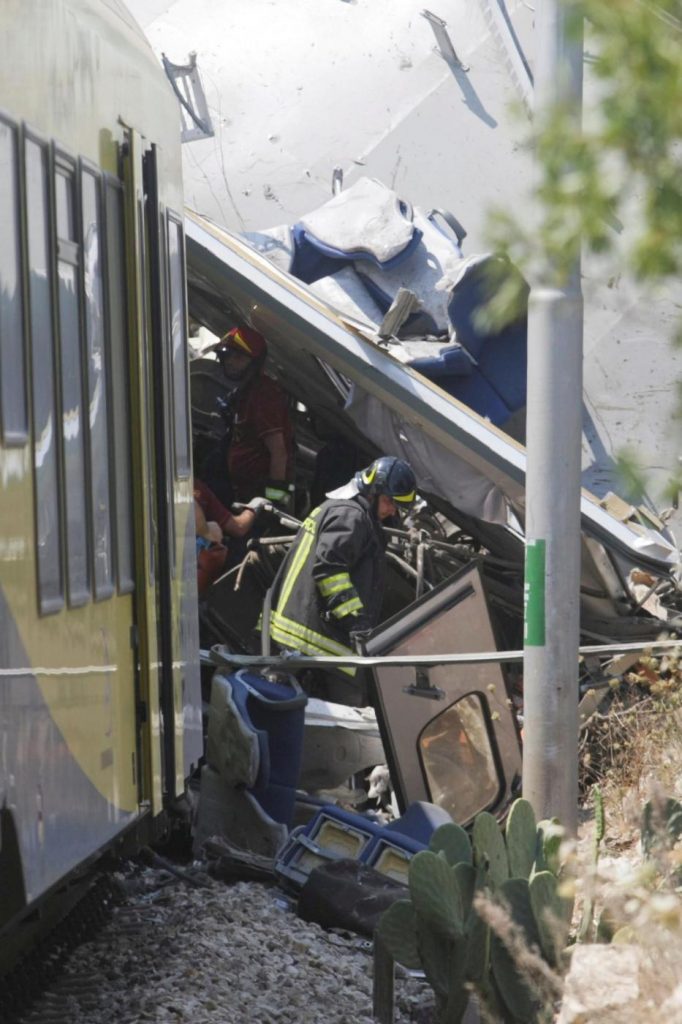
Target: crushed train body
[359, 375]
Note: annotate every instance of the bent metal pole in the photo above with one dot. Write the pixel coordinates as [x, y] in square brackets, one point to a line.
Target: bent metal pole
[553, 431]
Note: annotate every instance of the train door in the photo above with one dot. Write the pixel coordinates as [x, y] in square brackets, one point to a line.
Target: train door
[174, 505]
[159, 370]
[448, 731]
[170, 720]
[149, 655]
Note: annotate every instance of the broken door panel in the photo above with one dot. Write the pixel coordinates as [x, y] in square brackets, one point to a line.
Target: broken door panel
[449, 732]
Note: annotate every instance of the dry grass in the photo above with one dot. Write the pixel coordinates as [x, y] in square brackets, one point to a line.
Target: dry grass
[632, 747]
[634, 739]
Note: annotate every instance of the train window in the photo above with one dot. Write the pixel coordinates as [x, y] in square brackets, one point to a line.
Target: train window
[458, 759]
[149, 490]
[63, 191]
[96, 381]
[71, 378]
[119, 390]
[176, 263]
[45, 420]
[13, 406]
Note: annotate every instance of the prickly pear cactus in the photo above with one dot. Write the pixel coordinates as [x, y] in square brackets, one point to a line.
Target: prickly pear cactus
[440, 930]
[519, 1000]
[552, 914]
[398, 930]
[435, 894]
[490, 853]
[453, 842]
[429, 931]
[521, 837]
[550, 835]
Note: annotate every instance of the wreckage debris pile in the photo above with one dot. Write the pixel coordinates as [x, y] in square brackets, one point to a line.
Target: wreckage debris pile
[217, 954]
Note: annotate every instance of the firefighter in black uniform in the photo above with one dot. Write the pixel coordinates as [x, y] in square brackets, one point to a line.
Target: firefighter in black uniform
[331, 584]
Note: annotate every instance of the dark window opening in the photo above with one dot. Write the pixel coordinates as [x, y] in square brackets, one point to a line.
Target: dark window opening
[178, 309]
[97, 383]
[120, 393]
[151, 485]
[44, 361]
[13, 405]
[71, 377]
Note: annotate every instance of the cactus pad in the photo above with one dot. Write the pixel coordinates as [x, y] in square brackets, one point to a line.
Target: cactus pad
[490, 853]
[435, 893]
[552, 914]
[521, 836]
[398, 929]
[453, 841]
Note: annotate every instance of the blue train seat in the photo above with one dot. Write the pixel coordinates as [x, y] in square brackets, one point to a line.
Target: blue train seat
[255, 738]
[335, 834]
[501, 356]
[447, 361]
[366, 222]
[310, 263]
[427, 269]
[314, 258]
[485, 369]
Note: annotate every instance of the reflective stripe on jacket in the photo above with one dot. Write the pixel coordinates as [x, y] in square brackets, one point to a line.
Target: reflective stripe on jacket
[332, 581]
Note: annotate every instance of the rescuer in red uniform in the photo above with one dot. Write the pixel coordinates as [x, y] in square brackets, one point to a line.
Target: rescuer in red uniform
[260, 456]
[213, 522]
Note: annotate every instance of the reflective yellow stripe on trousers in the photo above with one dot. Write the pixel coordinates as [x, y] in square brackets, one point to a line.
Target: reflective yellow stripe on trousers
[297, 637]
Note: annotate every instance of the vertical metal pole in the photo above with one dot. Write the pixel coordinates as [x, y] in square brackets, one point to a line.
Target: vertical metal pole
[553, 430]
[383, 995]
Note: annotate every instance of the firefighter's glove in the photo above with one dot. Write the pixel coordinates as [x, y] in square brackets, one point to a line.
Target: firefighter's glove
[259, 505]
[280, 493]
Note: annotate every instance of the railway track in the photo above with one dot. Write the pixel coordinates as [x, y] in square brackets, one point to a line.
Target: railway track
[183, 948]
[32, 955]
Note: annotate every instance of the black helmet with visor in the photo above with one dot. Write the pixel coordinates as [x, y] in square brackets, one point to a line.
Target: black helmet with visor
[390, 476]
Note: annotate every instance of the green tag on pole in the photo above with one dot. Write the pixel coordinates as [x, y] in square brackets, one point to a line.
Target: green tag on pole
[534, 595]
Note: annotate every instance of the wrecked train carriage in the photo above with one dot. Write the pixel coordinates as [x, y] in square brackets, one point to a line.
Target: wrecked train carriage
[471, 472]
[464, 553]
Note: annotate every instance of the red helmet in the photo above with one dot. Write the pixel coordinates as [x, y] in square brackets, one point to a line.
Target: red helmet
[246, 340]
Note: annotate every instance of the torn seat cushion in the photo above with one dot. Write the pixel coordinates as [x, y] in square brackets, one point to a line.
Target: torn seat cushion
[255, 730]
[345, 291]
[366, 221]
[420, 821]
[233, 747]
[478, 394]
[429, 270]
[257, 739]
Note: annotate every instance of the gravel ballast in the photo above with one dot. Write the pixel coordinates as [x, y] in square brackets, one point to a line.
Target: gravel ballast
[221, 954]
